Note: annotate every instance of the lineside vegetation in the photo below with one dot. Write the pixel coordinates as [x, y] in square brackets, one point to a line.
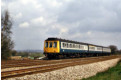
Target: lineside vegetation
[6, 42]
[113, 73]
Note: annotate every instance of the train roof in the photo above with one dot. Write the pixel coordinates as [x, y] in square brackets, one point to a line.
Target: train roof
[52, 38]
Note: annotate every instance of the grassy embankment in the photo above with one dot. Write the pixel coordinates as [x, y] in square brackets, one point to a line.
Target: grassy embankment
[113, 73]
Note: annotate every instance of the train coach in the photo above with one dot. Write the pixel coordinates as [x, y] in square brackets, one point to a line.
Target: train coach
[60, 48]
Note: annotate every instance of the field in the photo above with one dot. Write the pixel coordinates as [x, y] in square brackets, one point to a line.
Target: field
[112, 74]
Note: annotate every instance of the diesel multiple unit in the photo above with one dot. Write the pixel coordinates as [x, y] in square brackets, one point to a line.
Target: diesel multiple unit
[56, 47]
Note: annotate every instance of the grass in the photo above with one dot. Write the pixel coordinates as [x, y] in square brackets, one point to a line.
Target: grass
[36, 54]
[113, 73]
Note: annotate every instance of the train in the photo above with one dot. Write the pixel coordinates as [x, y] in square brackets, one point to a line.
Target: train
[62, 48]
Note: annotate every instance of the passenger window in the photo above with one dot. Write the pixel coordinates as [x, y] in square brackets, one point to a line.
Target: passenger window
[81, 47]
[50, 45]
[55, 44]
[46, 44]
[67, 45]
[70, 46]
[73, 45]
[63, 44]
[78, 45]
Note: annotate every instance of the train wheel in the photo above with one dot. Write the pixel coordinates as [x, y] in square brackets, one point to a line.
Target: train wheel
[49, 57]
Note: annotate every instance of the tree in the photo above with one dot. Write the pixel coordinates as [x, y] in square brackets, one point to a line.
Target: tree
[113, 49]
[6, 42]
[13, 53]
[119, 51]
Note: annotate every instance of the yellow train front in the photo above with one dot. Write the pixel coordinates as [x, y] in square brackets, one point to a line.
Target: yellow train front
[51, 48]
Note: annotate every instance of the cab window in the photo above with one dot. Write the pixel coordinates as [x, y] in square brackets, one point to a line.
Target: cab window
[46, 44]
[50, 44]
[55, 44]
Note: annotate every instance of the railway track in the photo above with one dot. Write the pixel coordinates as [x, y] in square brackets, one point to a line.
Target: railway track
[14, 67]
[34, 62]
[50, 67]
[37, 62]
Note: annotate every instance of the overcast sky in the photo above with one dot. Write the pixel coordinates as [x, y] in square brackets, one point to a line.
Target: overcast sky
[92, 21]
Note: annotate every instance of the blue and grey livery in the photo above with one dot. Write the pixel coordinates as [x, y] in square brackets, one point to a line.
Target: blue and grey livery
[69, 48]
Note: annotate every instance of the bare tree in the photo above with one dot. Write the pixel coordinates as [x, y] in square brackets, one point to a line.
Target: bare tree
[6, 42]
[113, 48]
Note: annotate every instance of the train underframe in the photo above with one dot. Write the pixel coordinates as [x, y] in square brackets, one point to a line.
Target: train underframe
[73, 55]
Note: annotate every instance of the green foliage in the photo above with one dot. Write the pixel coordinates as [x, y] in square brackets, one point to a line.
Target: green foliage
[13, 53]
[23, 54]
[113, 49]
[28, 54]
[118, 52]
[36, 55]
[112, 74]
[6, 42]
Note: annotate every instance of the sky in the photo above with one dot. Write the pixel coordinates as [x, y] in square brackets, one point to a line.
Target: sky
[90, 21]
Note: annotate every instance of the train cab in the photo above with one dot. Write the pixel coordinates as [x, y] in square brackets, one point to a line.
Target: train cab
[51, 46]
